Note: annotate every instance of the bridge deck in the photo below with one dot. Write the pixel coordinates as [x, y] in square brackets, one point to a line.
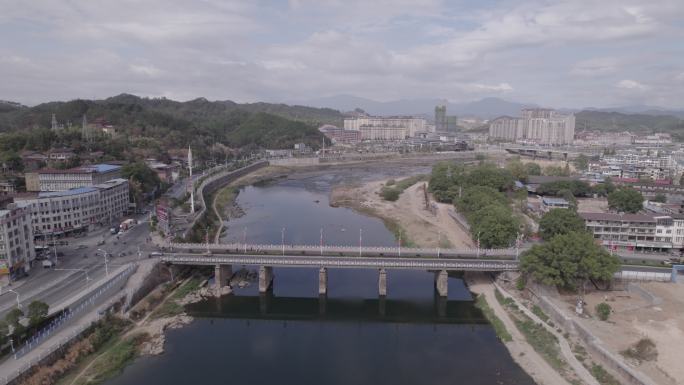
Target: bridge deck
[343, 262]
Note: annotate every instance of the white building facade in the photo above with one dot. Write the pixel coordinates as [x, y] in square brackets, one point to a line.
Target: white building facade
[538, 125]
[17, 249]
[386, 128]
[84, 176]
[57, 213]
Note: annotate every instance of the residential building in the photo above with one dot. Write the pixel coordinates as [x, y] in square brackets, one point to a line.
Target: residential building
[385, 128]
[7, 187]
[541, 126]
[61, 154]
[17, 250]
[84, 176]
[637, 232]
[444, 122]
[60, 212]
[33, 160]
[340, 135]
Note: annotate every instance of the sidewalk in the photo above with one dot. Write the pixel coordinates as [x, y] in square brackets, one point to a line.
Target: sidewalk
[11, 367]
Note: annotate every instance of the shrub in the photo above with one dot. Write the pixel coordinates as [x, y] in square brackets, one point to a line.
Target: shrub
[389, 194]
[603, 311]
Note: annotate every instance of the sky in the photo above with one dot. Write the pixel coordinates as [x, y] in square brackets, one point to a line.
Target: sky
[565, 53]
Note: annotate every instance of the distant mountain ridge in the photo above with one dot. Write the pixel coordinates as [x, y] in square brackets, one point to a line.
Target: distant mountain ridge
[486, 108]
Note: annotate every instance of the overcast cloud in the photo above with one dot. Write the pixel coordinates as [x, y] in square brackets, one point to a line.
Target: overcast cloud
[572, 53]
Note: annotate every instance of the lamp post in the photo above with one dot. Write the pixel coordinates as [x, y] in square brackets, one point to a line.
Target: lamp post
[105, 261]
[360, 240]
[439, 242]
[17, 294]
[478, 244]
[321, 241]
[282, 240]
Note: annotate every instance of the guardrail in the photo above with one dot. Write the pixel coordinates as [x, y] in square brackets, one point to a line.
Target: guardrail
[241, 248]
[388, 263]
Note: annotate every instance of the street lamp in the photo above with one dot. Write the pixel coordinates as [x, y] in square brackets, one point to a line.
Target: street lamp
[439, 242]
[105, 260]
[282, 239]
[478, 244]
[17, 294]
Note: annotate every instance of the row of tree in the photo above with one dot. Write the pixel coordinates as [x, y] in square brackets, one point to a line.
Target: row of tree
[37, 312]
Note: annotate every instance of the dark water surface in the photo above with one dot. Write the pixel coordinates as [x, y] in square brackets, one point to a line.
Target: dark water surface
[292, 336]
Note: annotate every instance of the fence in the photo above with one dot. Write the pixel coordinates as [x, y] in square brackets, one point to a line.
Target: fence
[84, 304]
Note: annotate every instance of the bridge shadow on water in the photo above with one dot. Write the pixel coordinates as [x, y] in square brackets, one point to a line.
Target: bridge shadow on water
[270, 307]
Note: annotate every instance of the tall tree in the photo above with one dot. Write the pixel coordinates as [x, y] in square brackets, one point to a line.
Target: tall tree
[494, 225]
[558, 222]
[37, 311]
[626, 199]
[569, 261]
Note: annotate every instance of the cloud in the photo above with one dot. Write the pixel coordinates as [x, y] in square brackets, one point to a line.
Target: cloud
[629, 84]
[595, 67]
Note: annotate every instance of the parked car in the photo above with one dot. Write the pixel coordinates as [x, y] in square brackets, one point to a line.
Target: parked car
[81, 247]
[48, 264]
[101, 243]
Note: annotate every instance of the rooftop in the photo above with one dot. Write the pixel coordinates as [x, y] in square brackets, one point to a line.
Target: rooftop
[617, 217]
[73, 191]
[93, 168]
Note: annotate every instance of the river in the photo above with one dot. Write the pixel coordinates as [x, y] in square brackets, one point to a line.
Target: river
[349, 337]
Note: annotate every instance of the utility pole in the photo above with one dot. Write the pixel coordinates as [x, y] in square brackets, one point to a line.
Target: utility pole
[17, 294]
[106, 262]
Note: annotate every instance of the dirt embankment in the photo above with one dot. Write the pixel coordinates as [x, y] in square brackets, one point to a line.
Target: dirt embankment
[424, 227]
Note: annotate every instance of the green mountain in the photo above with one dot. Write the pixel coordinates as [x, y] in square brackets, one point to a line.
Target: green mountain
[634, 123]
[159, 124]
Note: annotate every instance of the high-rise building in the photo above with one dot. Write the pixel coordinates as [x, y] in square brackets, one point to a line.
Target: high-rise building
[538, 125]
[440, 118]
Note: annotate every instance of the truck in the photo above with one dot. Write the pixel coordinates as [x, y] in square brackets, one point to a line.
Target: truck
[127, 224]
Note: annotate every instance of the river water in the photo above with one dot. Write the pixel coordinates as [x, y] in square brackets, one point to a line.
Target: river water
[291, 336]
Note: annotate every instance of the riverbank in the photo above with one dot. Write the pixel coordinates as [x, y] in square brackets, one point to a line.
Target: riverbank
[407, 215]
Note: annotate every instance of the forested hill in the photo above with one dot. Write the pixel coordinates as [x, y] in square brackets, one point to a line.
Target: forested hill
[165, 124]
[635, 123]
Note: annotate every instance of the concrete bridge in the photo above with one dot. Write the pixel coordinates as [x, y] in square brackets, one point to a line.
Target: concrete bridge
[223, 266]
[563, 153]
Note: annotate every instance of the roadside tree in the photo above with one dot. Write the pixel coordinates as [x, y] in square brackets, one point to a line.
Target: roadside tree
[569, 261]
[558, 222]
[37, 311]
[626, 199]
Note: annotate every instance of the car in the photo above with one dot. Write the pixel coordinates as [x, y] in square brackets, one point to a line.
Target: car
[81, 247]
[48, 264]
[101, 243]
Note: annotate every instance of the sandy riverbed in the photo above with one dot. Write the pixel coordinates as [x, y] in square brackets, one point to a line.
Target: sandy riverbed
[423, 227]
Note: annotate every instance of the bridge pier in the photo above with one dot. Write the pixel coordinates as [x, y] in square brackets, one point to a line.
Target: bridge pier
[222, 273]
[323, 281]
[382, 282]
[442, 283]
[265, 278]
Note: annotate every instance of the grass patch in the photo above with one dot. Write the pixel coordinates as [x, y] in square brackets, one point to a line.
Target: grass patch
[225, 197]
[505, 301]
[497, 324]
[540, 313]
[170, 307]
[392, 189]
[112, 362]
[542, 341]
[643, 350]
[602, 376]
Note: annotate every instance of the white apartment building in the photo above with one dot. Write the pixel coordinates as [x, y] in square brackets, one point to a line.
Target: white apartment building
[637, 232]
[84, 176]
[59, 212]
[537, 125]
[386, 128]
[17, 249]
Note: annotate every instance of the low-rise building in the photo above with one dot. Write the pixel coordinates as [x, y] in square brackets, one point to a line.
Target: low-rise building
[17, 250]
[84, 176]
[548, 203]
[61, 212]
[636, 232]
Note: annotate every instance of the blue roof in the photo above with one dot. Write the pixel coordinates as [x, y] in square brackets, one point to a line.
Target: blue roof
[102, 167]
[555, 200]
[73, 191]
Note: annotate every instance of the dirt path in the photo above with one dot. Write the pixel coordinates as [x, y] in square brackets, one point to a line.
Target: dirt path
[520, 350]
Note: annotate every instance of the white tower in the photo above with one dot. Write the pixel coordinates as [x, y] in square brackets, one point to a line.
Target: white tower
[192, 187]
[84, 129]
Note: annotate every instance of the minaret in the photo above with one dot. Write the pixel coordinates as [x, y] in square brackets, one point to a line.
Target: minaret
[54, 122]
[84, 129]
[192, 187]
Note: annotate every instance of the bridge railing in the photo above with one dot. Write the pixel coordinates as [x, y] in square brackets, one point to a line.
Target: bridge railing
[407, 251]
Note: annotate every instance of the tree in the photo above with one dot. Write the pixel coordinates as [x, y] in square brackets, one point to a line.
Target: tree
[569, 261]
[13, 316]
[37, 311]
[681, 180]
[626, 199]
[494, 225]
[576, 187]
[138, 172]
[558, 222]
[517, 169]
[661, 198]
[490, 175]
[603, 311]
[4, 331]
[582, 162]
[533, 169]
[478, 197]
[556, 171]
